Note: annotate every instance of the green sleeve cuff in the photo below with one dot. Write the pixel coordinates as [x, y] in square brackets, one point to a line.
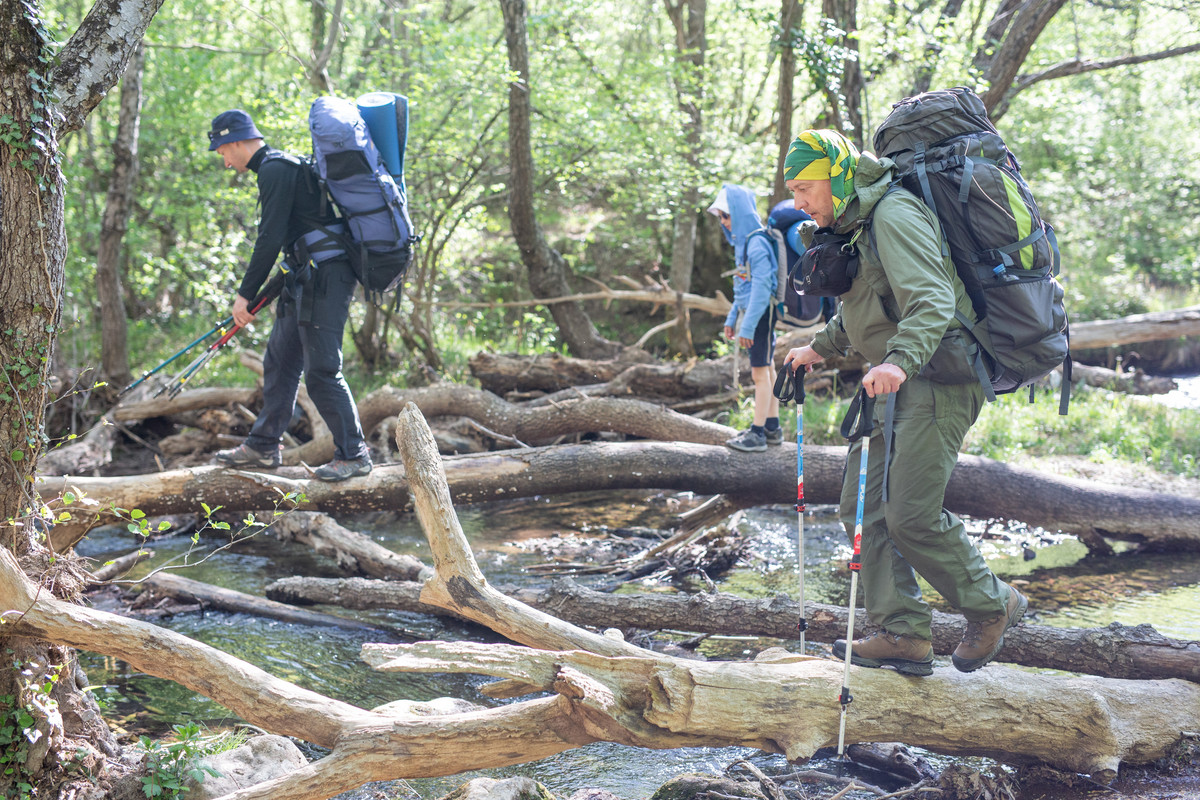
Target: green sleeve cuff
[906, 363]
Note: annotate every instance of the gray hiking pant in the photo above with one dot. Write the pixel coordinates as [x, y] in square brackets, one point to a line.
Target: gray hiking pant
[912, 532]
[307, 339]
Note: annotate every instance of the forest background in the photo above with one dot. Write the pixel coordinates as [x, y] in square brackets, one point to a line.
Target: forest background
[548, 145]
[637, 113]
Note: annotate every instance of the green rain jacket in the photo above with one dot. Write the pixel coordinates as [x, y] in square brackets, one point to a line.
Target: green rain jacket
[900, 308]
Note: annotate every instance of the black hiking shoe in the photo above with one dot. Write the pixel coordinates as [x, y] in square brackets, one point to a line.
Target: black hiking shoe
[907, 655]
[246, 456]
[341, 469]
[982, 640]
[748, 442]
[774, 437]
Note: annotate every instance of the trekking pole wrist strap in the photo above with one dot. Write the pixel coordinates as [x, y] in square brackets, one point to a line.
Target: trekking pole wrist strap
[860, 417]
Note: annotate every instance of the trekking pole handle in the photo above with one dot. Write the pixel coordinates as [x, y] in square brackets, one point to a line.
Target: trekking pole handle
[789, 385]
[268, 293]
[859, 421]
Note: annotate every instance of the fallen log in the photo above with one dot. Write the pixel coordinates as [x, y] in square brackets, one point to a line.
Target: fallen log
[666, 382]
[1117, 651]
[500, 373]
[539, 425]
[1136, 328]
[354, 552]
[1093, 511]
[206, 594]
[647, 698]
[615, 692]
[191, 400]
[119, 566]
[1129, 382]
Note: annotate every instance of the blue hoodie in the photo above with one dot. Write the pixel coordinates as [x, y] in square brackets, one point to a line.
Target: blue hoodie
[756, 272]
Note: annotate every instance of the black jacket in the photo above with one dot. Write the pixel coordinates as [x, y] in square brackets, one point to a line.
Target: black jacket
[291, 201]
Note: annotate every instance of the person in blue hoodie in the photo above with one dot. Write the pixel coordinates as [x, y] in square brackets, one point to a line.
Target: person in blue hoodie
[754, 282]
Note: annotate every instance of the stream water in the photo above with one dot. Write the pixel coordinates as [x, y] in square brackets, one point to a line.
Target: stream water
[1064, 588]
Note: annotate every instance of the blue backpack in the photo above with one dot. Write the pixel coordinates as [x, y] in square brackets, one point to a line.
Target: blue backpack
[793, 310]
[375, 231]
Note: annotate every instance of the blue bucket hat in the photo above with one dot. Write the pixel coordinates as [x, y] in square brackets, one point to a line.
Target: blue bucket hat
[231, 126]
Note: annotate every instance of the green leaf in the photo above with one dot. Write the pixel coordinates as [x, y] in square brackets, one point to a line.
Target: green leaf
[17, 455]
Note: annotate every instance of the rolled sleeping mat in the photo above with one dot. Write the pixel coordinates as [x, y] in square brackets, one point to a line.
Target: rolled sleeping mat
[386, 115]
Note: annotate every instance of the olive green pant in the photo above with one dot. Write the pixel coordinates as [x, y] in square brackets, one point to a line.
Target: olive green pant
[912, 531]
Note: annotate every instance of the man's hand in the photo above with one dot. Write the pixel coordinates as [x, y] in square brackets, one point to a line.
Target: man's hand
[802, 357]
[746, 343]
[241, 311]
[883, 379]
[728, 332]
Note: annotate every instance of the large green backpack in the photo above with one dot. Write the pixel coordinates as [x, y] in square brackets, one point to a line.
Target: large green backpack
[948, 153]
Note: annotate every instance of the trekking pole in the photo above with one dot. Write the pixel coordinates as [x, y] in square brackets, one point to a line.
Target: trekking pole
[863, 408]
[216, 329]
[790, 386]
[268, 293]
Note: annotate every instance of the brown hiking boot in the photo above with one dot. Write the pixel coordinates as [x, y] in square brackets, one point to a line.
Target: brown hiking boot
[982, 640]
[909, 656]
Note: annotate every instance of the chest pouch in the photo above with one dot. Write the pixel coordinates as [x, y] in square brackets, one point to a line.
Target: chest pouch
[829, 265]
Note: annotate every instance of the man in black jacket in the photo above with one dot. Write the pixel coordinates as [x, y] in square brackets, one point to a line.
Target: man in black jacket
[312, 309]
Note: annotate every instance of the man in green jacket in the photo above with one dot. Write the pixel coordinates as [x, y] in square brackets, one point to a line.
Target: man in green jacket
[899, 314]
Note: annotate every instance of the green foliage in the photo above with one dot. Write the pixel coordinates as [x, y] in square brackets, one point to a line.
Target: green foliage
[20, 716]
[169, 765]
[16, 726]
[614, 148]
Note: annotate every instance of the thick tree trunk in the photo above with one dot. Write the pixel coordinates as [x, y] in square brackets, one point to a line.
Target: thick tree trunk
[1022, 24]
[689, 19]
[1093, 511]
[791, 13]
[114, 357]
[45, 91]
[547, 270]
[848, 92]
[1113, 652]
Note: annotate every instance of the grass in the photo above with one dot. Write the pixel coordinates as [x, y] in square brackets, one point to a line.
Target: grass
[1102, 426]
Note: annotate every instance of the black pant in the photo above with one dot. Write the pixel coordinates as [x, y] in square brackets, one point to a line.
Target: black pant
[307, 338]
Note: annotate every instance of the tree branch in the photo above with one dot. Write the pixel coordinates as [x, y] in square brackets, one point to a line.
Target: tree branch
[94, 59]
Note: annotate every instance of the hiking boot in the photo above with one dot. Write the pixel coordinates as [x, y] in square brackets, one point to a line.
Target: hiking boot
[340, 469]
[774, 436]
[909, 656]
[748, 442]
[982, 640]
[246, 456]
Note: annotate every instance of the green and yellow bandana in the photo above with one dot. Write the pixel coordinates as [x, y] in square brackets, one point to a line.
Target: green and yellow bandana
[824, 155]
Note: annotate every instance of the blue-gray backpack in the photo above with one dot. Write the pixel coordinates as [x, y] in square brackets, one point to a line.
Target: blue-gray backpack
[795, 309]
[948, 153]
[375, 230]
